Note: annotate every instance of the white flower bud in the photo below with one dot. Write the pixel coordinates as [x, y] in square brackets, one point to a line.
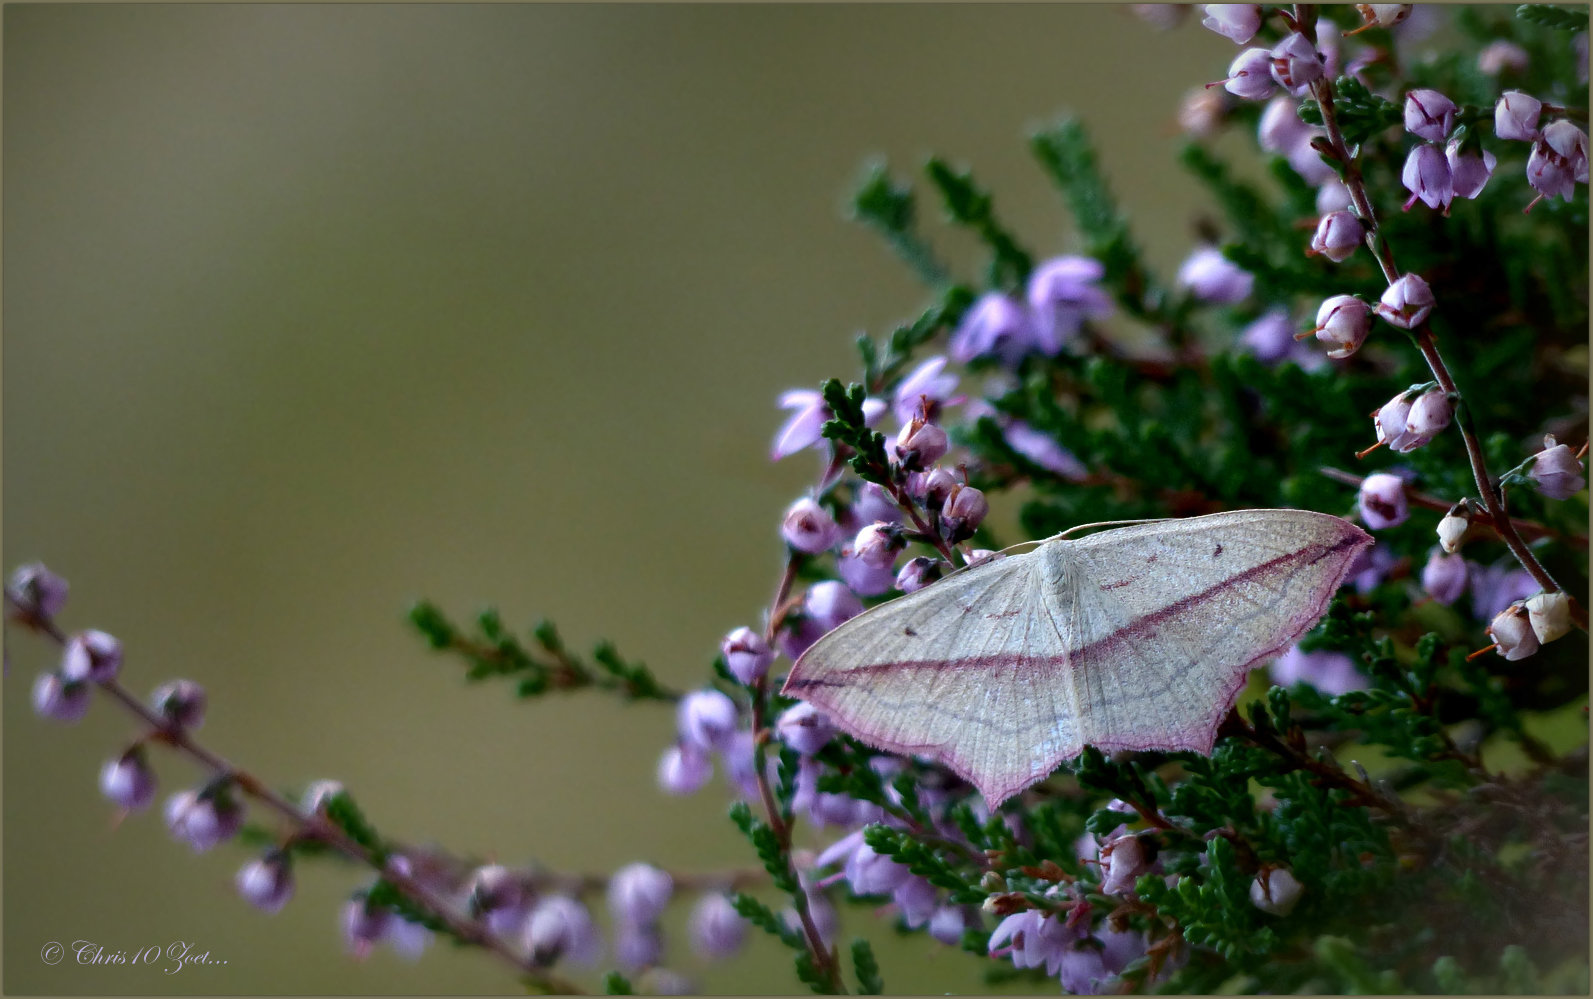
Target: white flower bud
[1452, 531]
[1512, 633]
[1275, 891]
[1550, 615]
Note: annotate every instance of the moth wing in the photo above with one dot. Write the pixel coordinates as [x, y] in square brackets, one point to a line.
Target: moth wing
[1170, 617]
[967, 672]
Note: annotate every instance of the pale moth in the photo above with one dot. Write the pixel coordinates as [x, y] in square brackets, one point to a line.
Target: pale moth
[1134, 638]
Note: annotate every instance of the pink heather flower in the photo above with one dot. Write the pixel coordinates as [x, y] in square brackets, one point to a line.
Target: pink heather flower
[1124, 861]
[1516, 116]
[637, 946]
[38, 593]
[918, 573]
[871, 503]
[638, 893]
[805, 427]
[717, 929]
[1333, 673]
[1310, 165]
[747, 655]
[1556, 471]
[949, 923]
[871, 873]
[927, 381]
[58, 699]
[864, 579]
[821, 807]
[1549, 173]
[1062, 293]
[1391, 421]
[878, 544]
[804, 728]
[1250, 75]
[916, 901]
[1495, 587]
[1512, 633]
[202, 820]
[995, 324]
[706, 718]
[809, 527]
[1211, 277]
[1570, 143]
[964, 511]
[1429, 415]
[181, 703]
[128, 781]
[1281, 130]
[935, 485]
[1337, 236]
[1444, 577]
[1382, 501]
[831, 603]
[1500, 55]
[1342, 323]
[1032, 939]
[560, 928]
[1426, 176]
[920, 445]
[1429, 114]
[266, 882]
[683, 769]
[1296, 64]
[365, 925]
[1042, 449]
[1333, 196]
[1468, 171]
[1238, 22]
[1407, 302]
[1270, 338]
[91, 655]
[1275, 891]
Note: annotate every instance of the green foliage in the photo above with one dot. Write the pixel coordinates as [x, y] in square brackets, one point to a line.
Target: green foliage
[1567, 19]
[616, 984]
[869, 982]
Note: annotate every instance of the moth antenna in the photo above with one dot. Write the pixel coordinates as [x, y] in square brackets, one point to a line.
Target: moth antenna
[1106, 523]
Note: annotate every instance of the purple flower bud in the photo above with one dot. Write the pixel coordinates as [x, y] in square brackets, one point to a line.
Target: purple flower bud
[1549, 173]
[805, 426]
[683, 769]
[128, 781]
[1281, 129]
[560, 928]
[809, 527]
[918, 573]
[203, 819]
[91, 655]
[492, 888]
[61, 700]
[1296, 64]
[1426, 176]
[878, 544]
[364, 925]
[916, 900]
[1342, 323]
[181, 703]
[1406, 302]
[717, 929]
[873, 503]
[318, 794]
[1042, 449]
[266, 882]
[1382, 501]
[1333, 673]
[1429, 415]
[1570, 143]
[1275, 891]
[871, 873]
[1500, 55]
[1237, 22]
[1032, 939]
[1429, 114]
[949, 923]
[1337, 236]
[1270, 338]
[964, 511]
[1062, 293]
[920, 445]
[863, 579]
[804, 728]
[1512, 633]
[1211, 277]
[637, 946]
[995, 324]
[1550, 615]
[747, 655]
[1125, 862]
[925, 383]
[1516, 116]
[1333, 196]
[936, 485]
[38, 593]
[1468, 171]
[830, 604]
[1556, 471]
[638, 893]
[1392, 423]
[1444, 577]
[705, 719]
[1250, 75]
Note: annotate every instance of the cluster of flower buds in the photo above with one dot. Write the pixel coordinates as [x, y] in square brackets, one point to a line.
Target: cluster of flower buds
[1211, 277]
[1557, 470]
[1293, 64]
[637, 896]
[1519, 630]
[1437, 177]
[1061, 294]
[1411, 419]
[1558, 160]
[706, 725]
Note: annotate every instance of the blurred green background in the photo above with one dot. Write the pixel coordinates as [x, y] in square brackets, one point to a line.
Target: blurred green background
[311, 311]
